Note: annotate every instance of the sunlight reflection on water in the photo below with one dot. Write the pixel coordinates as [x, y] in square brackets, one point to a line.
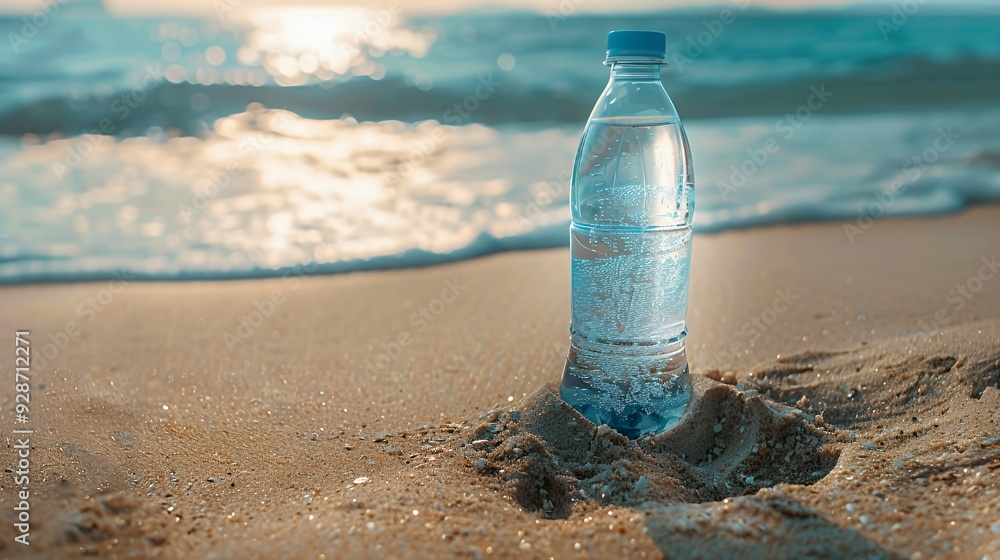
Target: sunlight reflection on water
[268, 189]
[300, 45]
[289, 45]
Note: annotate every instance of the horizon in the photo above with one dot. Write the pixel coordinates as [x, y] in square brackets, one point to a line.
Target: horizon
[197, 8]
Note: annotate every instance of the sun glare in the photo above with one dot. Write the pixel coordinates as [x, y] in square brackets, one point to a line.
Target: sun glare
[299, 45]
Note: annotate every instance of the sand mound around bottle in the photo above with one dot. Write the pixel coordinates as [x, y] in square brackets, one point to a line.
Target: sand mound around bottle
[729, 443]
[821, 454]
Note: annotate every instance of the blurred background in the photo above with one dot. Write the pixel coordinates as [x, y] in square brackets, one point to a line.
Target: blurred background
[229, 138]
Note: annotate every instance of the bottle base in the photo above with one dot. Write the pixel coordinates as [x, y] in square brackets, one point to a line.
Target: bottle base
[633, 412]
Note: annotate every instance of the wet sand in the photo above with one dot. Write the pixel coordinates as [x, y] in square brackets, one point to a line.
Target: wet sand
[846, 398]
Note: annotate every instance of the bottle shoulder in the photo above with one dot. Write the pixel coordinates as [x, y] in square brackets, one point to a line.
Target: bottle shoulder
[633, 166]
[633, 103]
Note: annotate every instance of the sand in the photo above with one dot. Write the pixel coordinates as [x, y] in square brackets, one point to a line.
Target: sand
[845, 407]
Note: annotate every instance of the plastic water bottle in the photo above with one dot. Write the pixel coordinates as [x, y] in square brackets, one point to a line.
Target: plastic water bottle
[632, 202]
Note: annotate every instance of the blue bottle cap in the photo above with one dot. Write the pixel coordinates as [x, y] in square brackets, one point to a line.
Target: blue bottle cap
[637, 43]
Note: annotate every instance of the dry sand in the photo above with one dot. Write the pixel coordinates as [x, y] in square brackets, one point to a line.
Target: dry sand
[827, 423]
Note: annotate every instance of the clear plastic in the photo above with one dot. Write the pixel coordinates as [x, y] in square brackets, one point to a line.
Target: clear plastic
[632, 203]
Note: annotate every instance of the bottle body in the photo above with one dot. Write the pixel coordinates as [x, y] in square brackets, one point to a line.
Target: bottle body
[632, 203]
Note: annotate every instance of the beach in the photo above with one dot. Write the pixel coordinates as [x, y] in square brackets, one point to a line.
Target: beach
[846, 389]
[292, 280]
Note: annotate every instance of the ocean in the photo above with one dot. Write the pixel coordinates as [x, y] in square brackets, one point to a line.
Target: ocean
[267, 141]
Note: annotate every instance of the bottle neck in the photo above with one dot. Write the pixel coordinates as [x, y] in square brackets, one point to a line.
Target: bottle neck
[635, 71]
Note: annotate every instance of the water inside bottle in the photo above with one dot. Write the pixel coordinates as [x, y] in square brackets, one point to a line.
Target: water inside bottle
[631, 249]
